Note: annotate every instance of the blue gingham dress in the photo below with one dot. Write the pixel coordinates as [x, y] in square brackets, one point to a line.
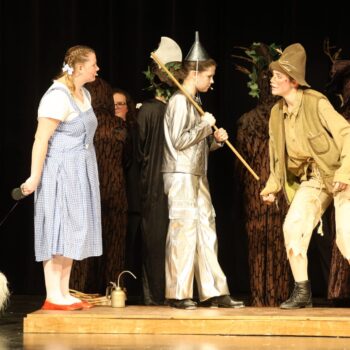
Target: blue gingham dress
[67, 204]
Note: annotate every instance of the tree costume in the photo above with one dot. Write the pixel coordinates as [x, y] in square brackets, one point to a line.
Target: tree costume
[94, 275]
[268, 265]
[339, 283]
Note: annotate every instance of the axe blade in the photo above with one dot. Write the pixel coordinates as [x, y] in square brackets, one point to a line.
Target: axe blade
[168, 50]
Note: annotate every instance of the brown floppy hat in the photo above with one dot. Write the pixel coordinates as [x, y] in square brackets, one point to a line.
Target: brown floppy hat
[292, 62]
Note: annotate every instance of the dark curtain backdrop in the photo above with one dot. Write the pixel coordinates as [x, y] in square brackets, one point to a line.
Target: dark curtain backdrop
[36, 34]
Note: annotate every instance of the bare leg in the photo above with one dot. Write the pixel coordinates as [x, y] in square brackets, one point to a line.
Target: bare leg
[298, 265]
[53, 273]
[66, 270]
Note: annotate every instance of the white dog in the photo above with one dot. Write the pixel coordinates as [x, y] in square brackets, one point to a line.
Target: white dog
[4, 291]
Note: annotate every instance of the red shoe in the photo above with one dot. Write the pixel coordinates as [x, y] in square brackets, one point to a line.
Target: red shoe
[51, 306]
[86, 304]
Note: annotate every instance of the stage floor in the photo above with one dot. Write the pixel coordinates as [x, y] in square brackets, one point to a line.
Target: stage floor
[38, 341]
[158, 320]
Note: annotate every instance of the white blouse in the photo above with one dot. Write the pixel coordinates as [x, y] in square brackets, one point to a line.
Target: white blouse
[57, 105]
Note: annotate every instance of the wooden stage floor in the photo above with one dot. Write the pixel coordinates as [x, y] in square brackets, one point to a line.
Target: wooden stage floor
[312, 322]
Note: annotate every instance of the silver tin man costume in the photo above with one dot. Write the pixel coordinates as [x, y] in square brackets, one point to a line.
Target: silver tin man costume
[191, 246]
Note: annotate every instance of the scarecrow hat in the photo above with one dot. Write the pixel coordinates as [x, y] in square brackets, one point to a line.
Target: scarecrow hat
[292, 62]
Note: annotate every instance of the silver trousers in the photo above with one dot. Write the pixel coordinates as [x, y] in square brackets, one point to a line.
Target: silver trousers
[191, 245]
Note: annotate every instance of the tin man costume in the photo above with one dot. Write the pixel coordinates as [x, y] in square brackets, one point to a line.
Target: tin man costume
[309, 154]
[191, 246]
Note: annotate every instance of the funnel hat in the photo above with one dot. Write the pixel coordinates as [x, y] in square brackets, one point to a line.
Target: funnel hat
[197, 51]
[292, 62]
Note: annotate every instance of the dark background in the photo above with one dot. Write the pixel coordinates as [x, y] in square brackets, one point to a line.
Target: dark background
[35, 36]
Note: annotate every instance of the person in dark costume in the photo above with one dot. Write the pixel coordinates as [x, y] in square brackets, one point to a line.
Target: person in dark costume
[110, 139]
[154, 204]
[125, 110]
[268, 264]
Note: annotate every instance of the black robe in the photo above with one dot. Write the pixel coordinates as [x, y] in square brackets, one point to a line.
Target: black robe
[154, 205]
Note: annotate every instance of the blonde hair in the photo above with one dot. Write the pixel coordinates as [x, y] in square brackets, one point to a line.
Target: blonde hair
[75, 55]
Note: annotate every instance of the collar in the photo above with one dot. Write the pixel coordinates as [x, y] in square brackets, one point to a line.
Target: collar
[297, 104]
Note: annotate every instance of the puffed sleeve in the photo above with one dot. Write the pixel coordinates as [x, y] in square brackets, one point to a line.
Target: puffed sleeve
[55, 104]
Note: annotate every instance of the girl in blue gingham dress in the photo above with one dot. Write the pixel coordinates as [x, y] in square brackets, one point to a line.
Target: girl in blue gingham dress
[67, 201]
[64, 175]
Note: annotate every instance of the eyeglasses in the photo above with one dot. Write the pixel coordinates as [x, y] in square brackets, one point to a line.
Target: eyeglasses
[119, 104]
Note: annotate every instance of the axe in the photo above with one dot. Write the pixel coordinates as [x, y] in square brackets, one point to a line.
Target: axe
[169, 51]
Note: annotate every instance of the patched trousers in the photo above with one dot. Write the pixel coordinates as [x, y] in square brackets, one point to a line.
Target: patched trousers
[306, 209]
[191, 245]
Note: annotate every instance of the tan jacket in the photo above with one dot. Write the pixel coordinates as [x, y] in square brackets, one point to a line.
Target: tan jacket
[187, 138]
[328, 140]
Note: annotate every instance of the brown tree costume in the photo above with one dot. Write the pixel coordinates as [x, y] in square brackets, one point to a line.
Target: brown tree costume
[268, 265]
[339, 278]
[94, 275]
